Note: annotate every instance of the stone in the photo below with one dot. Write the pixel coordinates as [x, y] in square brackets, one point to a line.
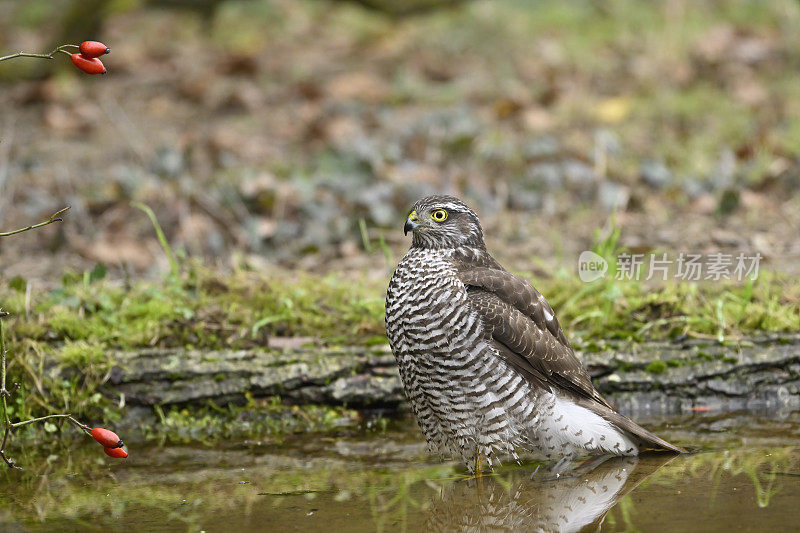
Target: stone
[655, 173]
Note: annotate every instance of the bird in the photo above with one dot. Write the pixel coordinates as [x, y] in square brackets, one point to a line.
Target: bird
[541, 502]
[484, 363]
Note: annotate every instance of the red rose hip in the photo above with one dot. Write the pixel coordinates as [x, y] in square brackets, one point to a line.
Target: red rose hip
[116, 453]
[107, 438]
[90, 65]
[93, 49]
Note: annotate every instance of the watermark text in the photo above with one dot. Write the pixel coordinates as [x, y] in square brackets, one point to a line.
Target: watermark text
[659, 266]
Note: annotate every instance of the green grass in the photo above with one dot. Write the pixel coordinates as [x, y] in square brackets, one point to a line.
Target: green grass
[202, 310]
[639, 311]
[79, 323]
[207, 310]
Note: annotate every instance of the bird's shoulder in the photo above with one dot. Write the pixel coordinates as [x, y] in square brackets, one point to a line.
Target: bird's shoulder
[479, 271]
[522, 325]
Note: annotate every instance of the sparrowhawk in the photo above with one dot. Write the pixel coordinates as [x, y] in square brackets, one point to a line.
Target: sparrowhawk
[484, 362]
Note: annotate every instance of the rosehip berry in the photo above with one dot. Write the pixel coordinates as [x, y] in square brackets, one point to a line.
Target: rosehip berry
[90, 65]
[116, 453]
[107, 438]
[93, 49]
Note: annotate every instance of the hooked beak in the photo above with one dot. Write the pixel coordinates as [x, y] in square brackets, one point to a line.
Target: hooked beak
[412, 223]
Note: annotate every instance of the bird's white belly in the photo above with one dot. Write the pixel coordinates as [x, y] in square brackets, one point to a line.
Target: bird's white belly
[569, 430]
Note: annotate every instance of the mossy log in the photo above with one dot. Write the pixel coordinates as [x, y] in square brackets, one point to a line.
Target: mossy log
[355, 376]
[656, 376]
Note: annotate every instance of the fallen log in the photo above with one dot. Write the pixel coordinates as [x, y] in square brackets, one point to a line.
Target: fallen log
[650, 376]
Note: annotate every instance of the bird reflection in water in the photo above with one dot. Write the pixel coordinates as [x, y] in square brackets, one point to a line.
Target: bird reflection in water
[576, 500]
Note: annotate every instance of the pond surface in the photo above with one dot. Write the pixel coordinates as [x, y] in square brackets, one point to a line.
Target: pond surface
[743, 476]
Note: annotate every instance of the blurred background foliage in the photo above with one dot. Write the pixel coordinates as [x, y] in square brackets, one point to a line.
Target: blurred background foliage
[300, 132]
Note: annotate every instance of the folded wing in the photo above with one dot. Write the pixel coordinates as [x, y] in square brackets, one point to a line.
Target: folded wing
[520, 323]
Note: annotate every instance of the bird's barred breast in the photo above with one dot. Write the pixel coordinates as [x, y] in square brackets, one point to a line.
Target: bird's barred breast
[461, 394]
[426, 310]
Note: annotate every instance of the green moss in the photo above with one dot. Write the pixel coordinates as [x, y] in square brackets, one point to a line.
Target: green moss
[258, 418]
[704, 356]
[82, 354]
[656, 367]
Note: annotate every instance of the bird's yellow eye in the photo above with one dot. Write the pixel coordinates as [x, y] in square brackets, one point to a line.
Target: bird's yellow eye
[440, 215]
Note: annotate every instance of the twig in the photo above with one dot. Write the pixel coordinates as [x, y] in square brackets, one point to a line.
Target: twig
[53, 218]
[51, 55]
[3, 391]
[9, 462]
[4, 394]
[68, 416]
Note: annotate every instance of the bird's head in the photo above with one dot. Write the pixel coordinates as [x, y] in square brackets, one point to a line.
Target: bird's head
[443, 222]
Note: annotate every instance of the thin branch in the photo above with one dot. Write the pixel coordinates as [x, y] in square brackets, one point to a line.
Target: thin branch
[53, 218]
[3, 391]
[5, 420]
[4, 394]
[42, 418]
[9, 462]
[51, 55]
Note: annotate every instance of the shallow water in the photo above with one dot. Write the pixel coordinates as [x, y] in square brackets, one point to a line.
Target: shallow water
[744, 476]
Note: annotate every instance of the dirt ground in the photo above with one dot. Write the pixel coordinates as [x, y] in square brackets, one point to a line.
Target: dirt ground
[298, 134]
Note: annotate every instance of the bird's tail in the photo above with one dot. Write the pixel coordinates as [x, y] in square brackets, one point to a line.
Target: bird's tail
[647, 440]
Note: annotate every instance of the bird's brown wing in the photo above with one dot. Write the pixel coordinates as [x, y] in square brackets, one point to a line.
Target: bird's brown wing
[517, 317]
[523, 328]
